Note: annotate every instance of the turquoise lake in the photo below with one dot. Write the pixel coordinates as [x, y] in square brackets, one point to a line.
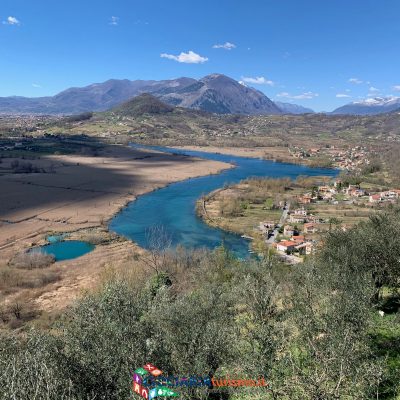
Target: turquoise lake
[67, 250]
[173, 207]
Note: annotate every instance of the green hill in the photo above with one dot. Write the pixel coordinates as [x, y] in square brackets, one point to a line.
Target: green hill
[142, 104]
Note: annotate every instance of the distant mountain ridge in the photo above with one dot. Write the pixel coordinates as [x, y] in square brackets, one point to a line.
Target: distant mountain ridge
[215, 93]
[290, 108]
[372, 106]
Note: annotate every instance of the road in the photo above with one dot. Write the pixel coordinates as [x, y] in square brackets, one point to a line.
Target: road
[289, 258]
[281, 222]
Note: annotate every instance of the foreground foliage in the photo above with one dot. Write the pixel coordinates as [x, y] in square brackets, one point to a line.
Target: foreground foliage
[313, 332]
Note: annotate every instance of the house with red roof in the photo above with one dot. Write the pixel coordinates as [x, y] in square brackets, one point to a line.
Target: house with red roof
[310, 227]
[286, 246]
[298, 239]
[375, 198]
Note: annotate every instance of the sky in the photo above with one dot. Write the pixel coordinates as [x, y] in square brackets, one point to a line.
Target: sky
[320, 54]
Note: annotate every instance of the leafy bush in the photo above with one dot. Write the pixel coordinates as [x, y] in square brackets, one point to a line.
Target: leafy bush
[372, 246]
[31, 369]
[307, 330]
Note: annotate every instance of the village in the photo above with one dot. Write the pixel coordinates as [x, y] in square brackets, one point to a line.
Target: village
[299, 231]
[352, 159]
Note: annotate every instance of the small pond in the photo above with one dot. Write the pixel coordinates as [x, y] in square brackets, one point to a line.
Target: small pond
[67, 250]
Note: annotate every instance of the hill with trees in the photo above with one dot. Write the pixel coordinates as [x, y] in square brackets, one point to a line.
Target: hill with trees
[142, 104]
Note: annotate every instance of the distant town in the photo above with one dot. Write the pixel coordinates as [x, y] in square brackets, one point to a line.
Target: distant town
[298, 233]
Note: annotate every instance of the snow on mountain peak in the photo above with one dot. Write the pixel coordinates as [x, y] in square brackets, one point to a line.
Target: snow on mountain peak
[379, 101]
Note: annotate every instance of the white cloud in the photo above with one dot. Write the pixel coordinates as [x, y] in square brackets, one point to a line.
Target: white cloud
[114, 20]
[341, 95]
[396, 88]
[11, 21]
[302, 96]
[36, 85]
[189, 58]
[225, 46]
[258, 80]
[356, 81]
[373, 89]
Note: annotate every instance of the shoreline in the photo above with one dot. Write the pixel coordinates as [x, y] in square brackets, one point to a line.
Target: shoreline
[201, 212]
[254, 152]
[247, 152]
[88, 216]
[117, 200]
[229, 166]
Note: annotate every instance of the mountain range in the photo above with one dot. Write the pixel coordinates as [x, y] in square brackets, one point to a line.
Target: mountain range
[372, 106]
[214, 93]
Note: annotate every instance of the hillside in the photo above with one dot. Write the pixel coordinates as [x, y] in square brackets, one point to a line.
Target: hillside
[142, 104]
[222, 95]
[148, 121]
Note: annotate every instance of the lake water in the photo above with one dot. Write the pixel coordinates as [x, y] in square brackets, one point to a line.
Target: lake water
[173, 207]
[67, 250]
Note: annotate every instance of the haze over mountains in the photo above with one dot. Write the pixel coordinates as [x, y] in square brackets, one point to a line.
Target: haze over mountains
[290, 108]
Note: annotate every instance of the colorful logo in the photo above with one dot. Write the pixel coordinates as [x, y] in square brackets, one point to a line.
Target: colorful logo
[140, 377]
[149, 383]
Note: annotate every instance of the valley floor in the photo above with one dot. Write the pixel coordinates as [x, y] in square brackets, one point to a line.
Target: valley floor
[78, 194]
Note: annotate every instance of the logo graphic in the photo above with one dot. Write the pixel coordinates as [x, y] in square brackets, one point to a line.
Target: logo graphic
[140, 382]
[149, 383]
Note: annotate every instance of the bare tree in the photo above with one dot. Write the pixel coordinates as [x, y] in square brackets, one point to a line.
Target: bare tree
[32, 259]
[158, 244]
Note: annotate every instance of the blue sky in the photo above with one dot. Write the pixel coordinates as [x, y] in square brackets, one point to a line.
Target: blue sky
[320, 54]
